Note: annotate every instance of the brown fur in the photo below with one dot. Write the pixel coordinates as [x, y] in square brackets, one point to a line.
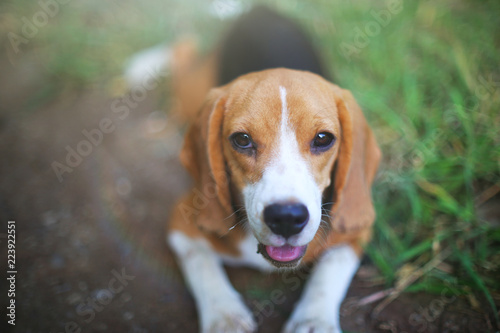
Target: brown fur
[192, 77]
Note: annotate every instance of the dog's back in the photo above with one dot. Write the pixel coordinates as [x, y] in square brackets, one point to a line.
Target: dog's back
[263, 39]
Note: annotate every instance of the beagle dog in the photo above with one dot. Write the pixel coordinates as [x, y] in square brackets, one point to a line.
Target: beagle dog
[282, 161]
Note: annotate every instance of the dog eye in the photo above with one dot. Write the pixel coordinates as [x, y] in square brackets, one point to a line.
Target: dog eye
[322, 142]
[241, 141]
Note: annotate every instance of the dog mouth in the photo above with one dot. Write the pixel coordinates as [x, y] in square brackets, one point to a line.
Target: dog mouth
[282, 256]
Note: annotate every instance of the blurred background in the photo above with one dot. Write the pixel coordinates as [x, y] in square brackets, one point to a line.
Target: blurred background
[90, 209]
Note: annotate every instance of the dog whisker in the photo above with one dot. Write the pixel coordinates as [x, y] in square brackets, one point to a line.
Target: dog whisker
[241, 222]
[235, 212]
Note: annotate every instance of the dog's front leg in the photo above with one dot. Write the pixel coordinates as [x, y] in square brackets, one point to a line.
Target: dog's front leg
[220, 307]
[318, 308]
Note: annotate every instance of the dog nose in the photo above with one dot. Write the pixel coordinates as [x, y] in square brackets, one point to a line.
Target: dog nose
[286, 219]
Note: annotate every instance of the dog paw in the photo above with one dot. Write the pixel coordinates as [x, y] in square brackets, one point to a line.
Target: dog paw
[233, 318]
[311, 325]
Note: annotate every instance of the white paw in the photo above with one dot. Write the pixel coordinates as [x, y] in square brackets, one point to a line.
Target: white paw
[313, 317]
[312, 326]
[229, 318]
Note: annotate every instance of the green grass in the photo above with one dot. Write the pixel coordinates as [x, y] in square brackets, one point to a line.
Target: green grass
[424, 82]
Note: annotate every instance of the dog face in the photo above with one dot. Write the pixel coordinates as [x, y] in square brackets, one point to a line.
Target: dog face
[280, 142]
[274, 142]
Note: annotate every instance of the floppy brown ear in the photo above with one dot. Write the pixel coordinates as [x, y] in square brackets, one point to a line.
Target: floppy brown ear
[355, 168]
[203, 157]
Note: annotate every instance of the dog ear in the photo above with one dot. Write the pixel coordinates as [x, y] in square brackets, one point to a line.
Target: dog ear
[202, 155]
[355, 168]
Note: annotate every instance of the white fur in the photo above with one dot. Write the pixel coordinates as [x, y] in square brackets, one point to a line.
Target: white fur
[220, 307]
[318, 308]
[286, 178]
[147, 65]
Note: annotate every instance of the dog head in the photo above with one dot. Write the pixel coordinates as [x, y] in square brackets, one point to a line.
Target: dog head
[283, 144]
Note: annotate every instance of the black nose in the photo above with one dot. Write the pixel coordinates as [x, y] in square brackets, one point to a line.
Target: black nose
[286, 219]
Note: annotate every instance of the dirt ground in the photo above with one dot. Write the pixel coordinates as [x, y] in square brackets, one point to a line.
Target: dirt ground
[90, 249]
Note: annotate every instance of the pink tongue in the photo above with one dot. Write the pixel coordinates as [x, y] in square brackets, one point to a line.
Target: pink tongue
[285, 252]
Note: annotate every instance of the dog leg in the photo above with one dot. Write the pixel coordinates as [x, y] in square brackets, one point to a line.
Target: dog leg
[220, 307]
[318, 308]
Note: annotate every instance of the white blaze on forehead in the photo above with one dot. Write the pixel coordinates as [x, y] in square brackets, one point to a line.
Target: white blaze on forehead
[287, 178]
[284, 111]
[288, 149]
